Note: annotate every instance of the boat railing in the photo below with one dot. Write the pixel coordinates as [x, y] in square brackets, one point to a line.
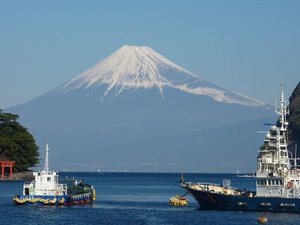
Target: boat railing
[204, 184]
[295, 172]
[62, 187]
[209, 184]
[28, 184]
[201, 183]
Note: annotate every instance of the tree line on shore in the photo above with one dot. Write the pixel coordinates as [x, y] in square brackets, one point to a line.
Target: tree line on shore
[17, 143]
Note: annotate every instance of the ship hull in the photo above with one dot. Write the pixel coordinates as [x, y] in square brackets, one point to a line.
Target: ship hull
[54, 200]
[216, 201]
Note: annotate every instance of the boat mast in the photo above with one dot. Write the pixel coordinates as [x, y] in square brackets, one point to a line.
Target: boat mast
[46, 168]
[295, 160]
[282, 137]
[282, 111]
[273, 161]
[273, 157]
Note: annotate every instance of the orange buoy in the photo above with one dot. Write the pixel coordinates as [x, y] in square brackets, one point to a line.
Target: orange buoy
[262, 219]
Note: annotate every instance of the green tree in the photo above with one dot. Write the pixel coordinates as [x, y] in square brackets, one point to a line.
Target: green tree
[294, 115]
[16, 143]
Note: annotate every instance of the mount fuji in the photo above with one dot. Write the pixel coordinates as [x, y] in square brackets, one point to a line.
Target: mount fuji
[133, 67]
[138, 111]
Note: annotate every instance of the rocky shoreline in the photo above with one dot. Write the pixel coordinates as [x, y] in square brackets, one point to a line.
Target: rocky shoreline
[19, 176]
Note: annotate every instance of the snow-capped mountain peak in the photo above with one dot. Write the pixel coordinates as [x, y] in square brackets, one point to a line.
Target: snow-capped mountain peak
[130, 67]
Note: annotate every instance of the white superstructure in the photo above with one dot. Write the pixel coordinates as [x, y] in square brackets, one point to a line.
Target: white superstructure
[45, 182]
[275, 175]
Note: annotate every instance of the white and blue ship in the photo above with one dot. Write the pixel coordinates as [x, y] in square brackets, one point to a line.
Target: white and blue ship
[45, 189]
[277, 177]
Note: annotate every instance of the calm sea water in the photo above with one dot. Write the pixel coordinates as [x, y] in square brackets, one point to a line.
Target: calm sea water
[133, 198]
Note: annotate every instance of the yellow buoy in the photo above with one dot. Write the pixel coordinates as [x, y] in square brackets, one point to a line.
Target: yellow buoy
[178, 201]
[262, 219]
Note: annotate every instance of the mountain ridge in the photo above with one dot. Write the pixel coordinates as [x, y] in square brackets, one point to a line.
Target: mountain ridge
[131, 128]
[132, 67]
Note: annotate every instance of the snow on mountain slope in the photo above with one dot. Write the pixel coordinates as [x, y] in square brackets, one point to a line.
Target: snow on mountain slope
[132, 67]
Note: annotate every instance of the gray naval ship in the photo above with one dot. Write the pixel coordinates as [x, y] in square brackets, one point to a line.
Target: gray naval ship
[277, 177]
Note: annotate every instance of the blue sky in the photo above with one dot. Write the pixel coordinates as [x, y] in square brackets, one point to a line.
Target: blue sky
[245, 46]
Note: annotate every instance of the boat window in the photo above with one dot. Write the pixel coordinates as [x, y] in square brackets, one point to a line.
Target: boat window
[48, 179]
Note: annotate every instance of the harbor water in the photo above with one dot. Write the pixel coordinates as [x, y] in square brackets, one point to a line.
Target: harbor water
[134, 198]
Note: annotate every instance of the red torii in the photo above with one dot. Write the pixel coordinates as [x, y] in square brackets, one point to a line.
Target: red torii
[9, 164]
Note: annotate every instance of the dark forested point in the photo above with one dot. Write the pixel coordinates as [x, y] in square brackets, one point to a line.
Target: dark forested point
[16, 143]
[294, 115]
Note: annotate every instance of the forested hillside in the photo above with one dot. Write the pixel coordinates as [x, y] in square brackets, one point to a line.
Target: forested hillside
[16, 143]
[294, 116]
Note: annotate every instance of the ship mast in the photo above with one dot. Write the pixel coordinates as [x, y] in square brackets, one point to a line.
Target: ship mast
[273, 161]
[282, 111]
[273, 158]
[46, 168]
[295, 159]
[282, 137]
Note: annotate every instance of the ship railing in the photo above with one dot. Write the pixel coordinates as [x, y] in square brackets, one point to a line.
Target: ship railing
[210, 185]
[62, 187]
[28, 184]
[202, 183]
[219, 188]
[295, 172]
